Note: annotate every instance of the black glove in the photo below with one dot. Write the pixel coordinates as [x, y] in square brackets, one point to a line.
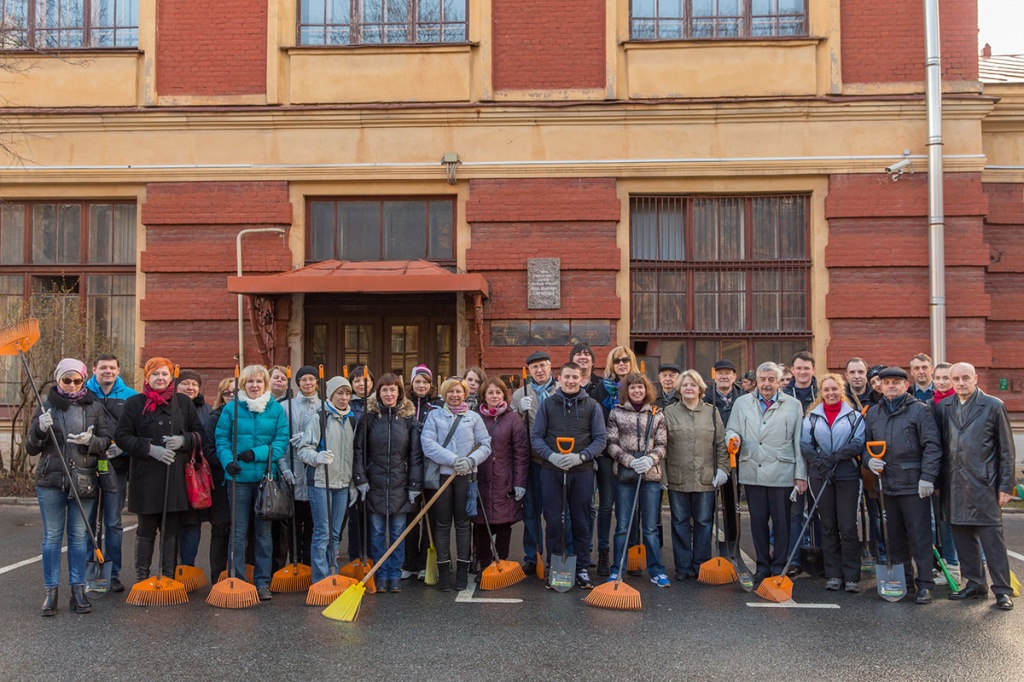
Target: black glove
[247, 456]
[824, 465]
[233, 469]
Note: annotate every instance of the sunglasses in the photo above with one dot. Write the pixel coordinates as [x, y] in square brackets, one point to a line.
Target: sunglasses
[72, 382]
[621, 361]
[227, 394]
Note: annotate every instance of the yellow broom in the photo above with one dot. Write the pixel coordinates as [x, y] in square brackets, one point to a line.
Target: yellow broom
[430, 574]
[346, 607]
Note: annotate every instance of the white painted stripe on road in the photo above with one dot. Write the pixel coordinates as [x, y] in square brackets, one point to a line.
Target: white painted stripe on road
[1018, 557]
[467, 596]
[789, 605]
[28, 562]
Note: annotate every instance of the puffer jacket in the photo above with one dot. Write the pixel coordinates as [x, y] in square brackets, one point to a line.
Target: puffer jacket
[424, 406]
[913, 449]
[696, 447]
[469, 433]
[839, 445]
[770, 442]
[68, 417]
[304, 409]
[505, 469]
[626, 429]
[340, 435]
[265, 433]
[979, 459]
[388, 456]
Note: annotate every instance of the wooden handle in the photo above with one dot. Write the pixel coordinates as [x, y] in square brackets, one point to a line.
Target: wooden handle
[408, 529]
[876, 448]
[565, 445]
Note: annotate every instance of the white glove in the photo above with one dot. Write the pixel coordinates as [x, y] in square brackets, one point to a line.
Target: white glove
[520, 492]
[162, 455]
[642, 465]
[287, 475]
[298, 439]
[174, 442]
[925, 489]
[363, 489]
[720, 478]
[795, 494]
[413, 494]
[876, 465]
[353, 497]
[83, 438]
[45, 421]
[325, 457]
[114, 451]
[463, 466]
[525, 403]
[566, 462]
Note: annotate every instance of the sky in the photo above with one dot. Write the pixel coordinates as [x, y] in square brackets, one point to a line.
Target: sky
[1001, 25]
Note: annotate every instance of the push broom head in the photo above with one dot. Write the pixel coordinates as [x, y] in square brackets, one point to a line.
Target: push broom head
[717, 571]
[357, 569]
[430, 574]
[157, 591]
[324, 592]
[20, 336]
[540, 566]
[346, 607]
[637, 558]
[233, 594]
[250, 572]
[292, 578]
[778, 588]
[190, 577]
[615, 595]
[501, 574]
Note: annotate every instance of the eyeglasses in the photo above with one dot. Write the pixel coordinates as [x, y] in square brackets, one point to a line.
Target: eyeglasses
[621, 361]
[72, 382]
[227, 394]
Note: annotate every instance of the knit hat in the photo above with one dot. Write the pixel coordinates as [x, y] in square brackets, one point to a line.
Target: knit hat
[893, 373]
[303, 371]
[421, 370]
[155, 363]
[581, 347]
[70, 365]
[874, 371]
[334, 383]
[187, 374]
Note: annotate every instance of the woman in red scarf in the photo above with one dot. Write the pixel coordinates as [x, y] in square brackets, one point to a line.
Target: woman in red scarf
[158, 448]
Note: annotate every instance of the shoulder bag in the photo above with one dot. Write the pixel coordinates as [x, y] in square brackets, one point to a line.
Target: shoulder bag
[273, 499]
[198, 479]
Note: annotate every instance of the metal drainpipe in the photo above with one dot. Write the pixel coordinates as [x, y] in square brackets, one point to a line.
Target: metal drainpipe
[238, 257]
[936, 208]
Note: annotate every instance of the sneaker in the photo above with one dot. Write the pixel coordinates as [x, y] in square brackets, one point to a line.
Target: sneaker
[661, 580]
[939, 577]
[853, 587]
[613, 575]
[583, 580]
[264, 593]
[422, 575]
[407, 574]
[834, 584]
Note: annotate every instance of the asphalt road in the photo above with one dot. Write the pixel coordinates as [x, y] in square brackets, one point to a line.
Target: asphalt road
[689, 631]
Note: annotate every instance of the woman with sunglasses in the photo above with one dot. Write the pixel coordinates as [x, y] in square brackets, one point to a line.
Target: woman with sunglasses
[80, 436]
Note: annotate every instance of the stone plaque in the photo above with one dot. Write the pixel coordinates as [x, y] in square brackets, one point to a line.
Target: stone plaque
[543, 283]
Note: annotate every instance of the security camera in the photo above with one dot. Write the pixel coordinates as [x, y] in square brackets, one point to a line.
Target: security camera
[898, 166]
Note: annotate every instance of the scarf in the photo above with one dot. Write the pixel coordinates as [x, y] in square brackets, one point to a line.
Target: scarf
[155, 399]
[940, 395]
[543, 390]
[494, 411]
[73, 395]
[832, 411]
[257, 405]
[458, 409]
[637, 407]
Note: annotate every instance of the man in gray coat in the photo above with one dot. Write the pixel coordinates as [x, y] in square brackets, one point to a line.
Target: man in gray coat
[767, 423]
[977, 480]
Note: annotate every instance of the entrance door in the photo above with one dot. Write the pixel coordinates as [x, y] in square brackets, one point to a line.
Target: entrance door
[390, 334]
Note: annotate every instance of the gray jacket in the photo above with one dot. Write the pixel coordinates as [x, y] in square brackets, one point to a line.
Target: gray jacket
[340, 433]
[303, 411]
[770, 442]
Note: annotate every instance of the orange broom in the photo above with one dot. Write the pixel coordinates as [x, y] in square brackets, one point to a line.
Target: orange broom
[616, 594]
[191, 577]
[233, 593]
[779, 588]
[501, 573]
[160, 590]
[638, 552]
[250, 573]
[295, 577]
[717, 570]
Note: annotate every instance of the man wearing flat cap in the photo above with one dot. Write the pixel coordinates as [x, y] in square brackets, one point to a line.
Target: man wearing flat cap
[668, 382]
[908, 471]
[722, 393]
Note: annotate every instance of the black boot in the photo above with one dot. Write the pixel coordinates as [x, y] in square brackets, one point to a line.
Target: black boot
[50, 603]
[602, 562]
[461, 575]
[444, 576]
[143, 557]
[170, 555]
[79, 602]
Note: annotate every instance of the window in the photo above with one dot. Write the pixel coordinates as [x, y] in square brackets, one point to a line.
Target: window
[68, 24]
[379, 22]
[716, 19]
[388, 229]
[715, 277]
[550, 332]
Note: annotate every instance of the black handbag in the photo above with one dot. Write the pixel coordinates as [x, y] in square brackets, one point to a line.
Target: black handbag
[273, 500]
[627, 475]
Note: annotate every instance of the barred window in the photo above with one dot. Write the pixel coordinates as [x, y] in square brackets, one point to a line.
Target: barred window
[715, 277]
[380, 22]
[721, 19]
[68, 24]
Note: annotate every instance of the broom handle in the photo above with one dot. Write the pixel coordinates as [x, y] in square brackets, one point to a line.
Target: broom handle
[167, 477]
[234, 460]
[632, 513]
[807, 522]
[408, 529]
[483, 511]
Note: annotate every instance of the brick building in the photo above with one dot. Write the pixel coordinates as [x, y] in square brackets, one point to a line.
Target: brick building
[710, 184]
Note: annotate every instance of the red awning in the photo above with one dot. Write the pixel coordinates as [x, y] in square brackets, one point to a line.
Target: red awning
[362, 277]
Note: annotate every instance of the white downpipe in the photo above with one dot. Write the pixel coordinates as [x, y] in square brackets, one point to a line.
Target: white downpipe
[936, 207]
[238, 256]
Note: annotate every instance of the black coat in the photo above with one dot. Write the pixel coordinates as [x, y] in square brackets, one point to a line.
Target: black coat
[711, 397]
[210, 446]
[913, 448]
[135, 432]
[391, 460]
[979, 459]
[68, 417]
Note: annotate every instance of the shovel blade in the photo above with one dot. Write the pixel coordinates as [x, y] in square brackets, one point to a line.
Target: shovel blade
[97, 576]
[563, 573]
[891, 581]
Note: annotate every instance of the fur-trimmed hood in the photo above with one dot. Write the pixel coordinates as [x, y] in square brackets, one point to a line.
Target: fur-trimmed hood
[405, 408]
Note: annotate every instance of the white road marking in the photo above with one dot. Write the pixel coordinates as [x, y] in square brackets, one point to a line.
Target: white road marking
[789, 605]
[1019, 557]
[34, 559]
[467, 596]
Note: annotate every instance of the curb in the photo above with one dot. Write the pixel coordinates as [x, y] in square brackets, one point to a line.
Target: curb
[19, 501]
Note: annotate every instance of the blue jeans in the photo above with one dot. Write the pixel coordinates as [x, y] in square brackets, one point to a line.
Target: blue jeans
[381, 539]
[325, 543]
[113, 531]
[189, 535]
[60, 511]
[244, 494]
[650, 510]
[942, 530]
[692, 515]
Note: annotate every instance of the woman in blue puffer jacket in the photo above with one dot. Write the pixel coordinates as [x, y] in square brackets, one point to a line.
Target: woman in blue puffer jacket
[831, 442]
[262, 441]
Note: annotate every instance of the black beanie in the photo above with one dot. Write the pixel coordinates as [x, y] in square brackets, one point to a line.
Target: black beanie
[303, 371]
[186, 374]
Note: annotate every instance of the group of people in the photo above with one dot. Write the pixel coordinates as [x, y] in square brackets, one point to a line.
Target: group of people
[366, 452]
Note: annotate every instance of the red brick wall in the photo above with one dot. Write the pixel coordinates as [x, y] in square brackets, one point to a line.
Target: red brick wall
[883, 40]
[571, 219]
[1004, 233]
[211, 48]
[190, 252]
[548, 44]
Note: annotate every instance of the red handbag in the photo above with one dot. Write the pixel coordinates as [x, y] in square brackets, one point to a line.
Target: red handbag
[198, 479]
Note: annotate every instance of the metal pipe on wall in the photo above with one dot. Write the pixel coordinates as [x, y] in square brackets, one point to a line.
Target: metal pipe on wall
[936, 207]
[238, 256]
